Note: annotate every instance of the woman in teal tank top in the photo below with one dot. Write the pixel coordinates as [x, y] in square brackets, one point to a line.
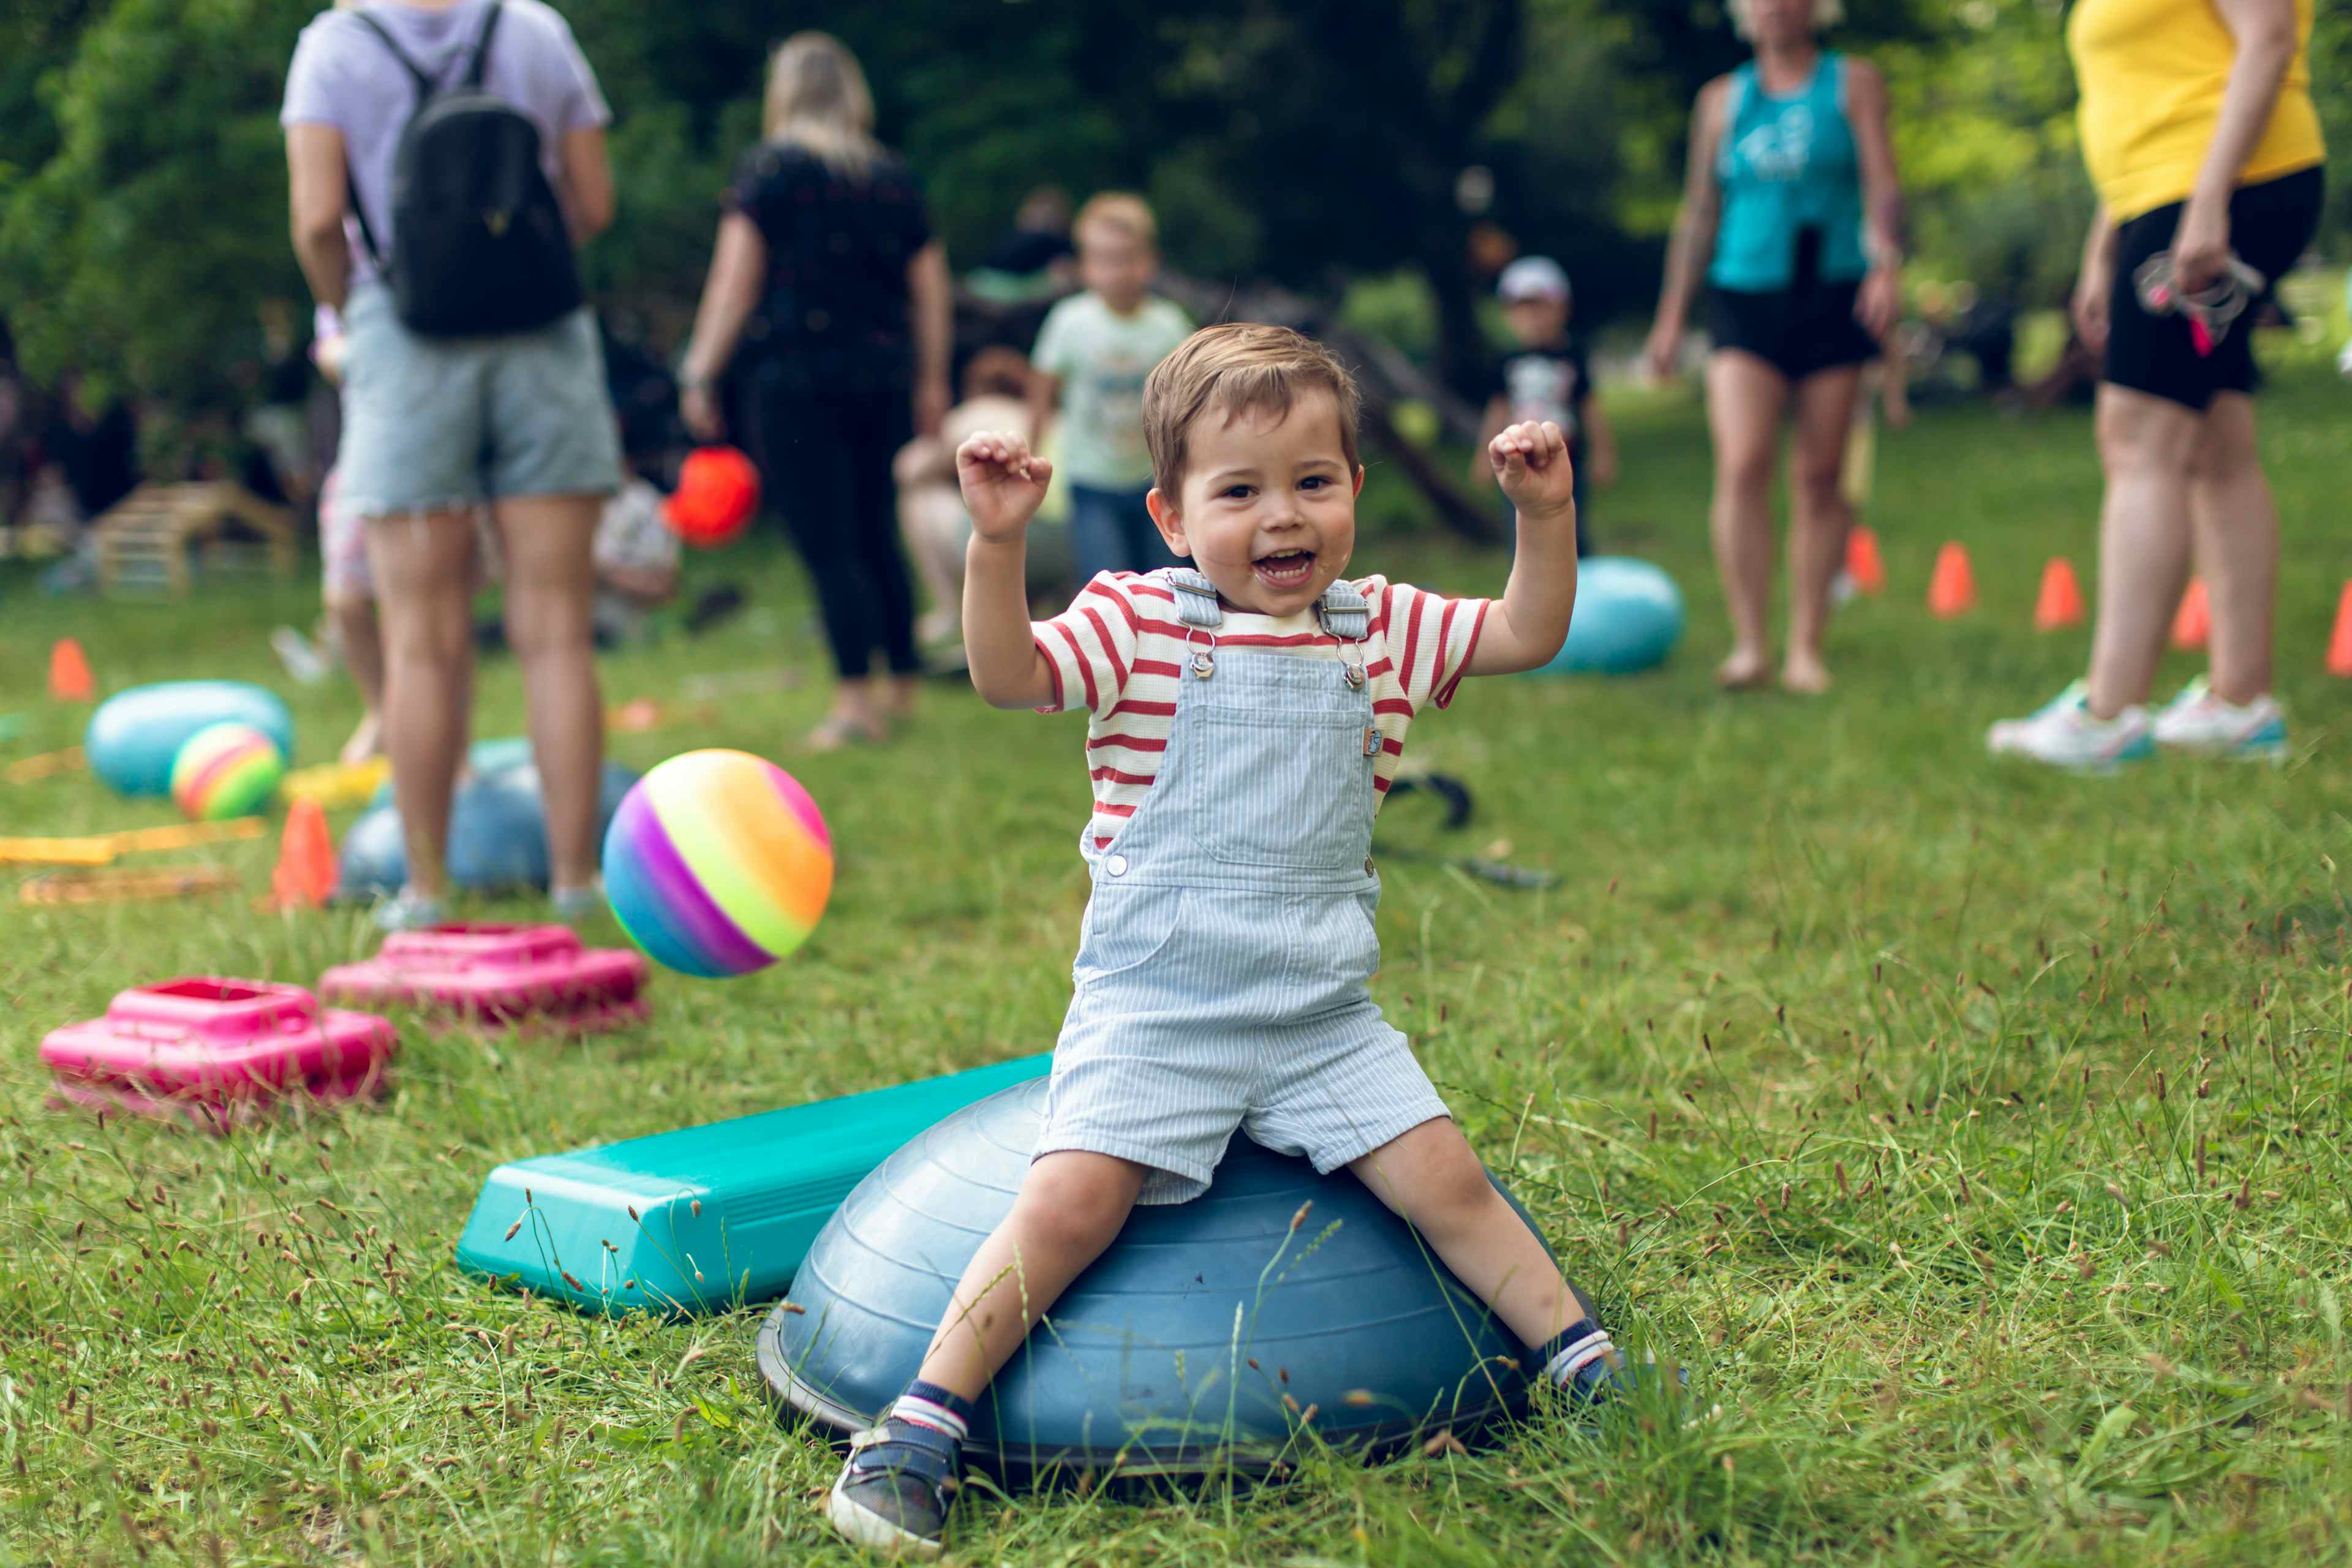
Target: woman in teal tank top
[1790, 224]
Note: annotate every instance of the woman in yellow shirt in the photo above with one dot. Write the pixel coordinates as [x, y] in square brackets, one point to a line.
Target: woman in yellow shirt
[2199, 128]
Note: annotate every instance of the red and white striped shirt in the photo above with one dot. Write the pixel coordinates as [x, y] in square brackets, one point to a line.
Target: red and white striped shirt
[1118, 652]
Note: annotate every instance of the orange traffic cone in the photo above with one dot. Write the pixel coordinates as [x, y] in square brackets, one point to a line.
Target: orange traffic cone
[2192, 626]
[1861, 561]
[70, 677]
[2340, 646]
[305, 876]
[2060, 602]
[1953, 589]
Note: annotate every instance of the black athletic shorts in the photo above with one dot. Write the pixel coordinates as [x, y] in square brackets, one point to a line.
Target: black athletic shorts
[2269, 225]
[1799, 331]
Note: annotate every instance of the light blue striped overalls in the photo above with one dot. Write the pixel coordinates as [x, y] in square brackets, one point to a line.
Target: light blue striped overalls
[1221, 967]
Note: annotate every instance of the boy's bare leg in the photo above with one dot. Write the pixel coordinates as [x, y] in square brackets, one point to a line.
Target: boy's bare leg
[1430, 1176]
[1070, 1207]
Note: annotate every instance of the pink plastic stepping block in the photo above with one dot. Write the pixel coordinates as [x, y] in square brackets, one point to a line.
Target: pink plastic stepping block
[537, 978]
[183, 1047]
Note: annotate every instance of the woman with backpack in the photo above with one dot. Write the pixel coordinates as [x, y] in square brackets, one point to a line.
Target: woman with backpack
[445, 157]
[825, 263]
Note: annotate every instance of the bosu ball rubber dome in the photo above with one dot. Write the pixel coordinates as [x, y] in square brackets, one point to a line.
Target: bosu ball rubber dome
[1205, 1336]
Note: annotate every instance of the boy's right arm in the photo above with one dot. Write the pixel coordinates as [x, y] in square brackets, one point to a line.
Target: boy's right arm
[1004, 484]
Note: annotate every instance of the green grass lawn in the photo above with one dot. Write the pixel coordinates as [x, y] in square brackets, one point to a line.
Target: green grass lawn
[1978, 1134]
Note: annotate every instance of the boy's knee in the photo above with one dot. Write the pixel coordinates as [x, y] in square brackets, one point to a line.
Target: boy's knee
[1456, 1195]
[1071, 1211]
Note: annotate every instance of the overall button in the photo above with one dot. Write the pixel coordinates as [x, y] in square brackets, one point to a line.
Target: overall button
[1117, 865]
[1368, 865]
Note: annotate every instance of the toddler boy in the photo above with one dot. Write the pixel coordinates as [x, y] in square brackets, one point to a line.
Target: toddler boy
[1246, 714]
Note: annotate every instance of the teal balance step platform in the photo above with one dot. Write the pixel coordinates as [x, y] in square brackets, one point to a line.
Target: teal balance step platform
[707, 1218]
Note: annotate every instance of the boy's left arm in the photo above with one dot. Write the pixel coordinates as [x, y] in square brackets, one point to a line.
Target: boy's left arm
[1527, 626]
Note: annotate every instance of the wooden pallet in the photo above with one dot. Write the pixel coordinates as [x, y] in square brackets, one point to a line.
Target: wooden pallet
[160, 535]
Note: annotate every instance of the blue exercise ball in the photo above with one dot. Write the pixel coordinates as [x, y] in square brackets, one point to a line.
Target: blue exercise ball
[1629, 615]
[374, 858]
[496, 755]
[135, 735]
[1198, 1340]
[498, 836]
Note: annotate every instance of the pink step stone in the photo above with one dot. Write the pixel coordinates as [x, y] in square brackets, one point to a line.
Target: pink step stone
[536, 978]
[230, 1047]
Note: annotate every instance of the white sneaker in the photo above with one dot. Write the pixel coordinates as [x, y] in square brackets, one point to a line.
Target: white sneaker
[2063, 733]
[2197, 721]
[302, 661]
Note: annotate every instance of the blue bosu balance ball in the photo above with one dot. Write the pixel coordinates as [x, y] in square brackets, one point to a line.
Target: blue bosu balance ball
[1146, 1363]
[135, 735]
[1629, 615]
[500, 755]
[498, 836]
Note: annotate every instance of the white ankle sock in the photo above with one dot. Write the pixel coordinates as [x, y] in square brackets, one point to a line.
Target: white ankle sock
[1573, 1358]
[931, 1414]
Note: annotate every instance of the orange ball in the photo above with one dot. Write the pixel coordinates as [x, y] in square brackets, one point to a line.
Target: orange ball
[718, 492]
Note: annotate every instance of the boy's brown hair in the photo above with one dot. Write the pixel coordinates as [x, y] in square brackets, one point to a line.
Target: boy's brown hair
[1233, 368]
[1122, 212]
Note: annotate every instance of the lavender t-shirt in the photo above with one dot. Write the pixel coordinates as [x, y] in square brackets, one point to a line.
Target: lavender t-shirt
[342, 75]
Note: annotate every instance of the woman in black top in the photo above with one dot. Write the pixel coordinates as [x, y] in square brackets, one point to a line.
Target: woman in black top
[827, 276]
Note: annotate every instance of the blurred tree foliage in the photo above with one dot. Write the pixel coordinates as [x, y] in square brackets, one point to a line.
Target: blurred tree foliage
[142, 185]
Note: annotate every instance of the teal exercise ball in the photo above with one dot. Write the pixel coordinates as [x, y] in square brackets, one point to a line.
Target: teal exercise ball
[136, 735]
[1629, 615]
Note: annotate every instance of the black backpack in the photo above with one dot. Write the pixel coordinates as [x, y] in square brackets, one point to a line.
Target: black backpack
[479, 242]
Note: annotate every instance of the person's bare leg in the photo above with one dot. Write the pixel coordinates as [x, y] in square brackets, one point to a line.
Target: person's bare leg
[1071, 1206]
[929, 524]
[2144, 445]
[551, 585]
[362, 644]
[2237, 532]
[1430, 1177]
[1744, 400]
[424, 566]
[899, 697]
[859, 703]
[1821, 521]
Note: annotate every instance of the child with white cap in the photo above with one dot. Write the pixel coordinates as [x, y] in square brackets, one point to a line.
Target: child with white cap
[1547, 378]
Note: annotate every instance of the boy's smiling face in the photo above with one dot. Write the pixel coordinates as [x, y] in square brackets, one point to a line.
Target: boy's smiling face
[1269, 505]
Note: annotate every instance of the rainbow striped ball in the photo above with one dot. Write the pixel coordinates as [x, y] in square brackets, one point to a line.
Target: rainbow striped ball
[717, 863]
[226, 770]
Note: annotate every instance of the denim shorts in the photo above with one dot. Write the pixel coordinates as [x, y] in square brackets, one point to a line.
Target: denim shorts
[436, 424]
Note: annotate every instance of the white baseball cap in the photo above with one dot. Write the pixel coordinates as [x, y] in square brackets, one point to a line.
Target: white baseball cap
[1533, 277]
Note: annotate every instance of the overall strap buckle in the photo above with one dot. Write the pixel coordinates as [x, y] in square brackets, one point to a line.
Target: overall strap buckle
[1347, 616]
[1197, 608]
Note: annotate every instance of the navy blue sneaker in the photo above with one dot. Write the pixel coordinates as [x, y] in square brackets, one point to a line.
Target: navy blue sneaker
[894, 1493]
[1612, 1385]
